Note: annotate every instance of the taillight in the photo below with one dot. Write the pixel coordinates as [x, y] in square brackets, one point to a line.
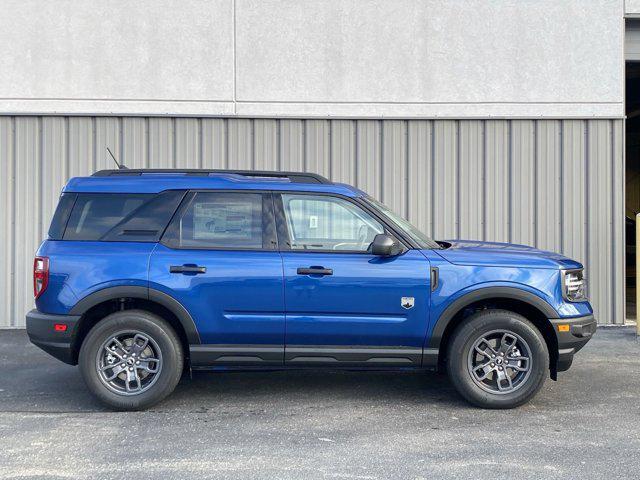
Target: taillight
[40, 275]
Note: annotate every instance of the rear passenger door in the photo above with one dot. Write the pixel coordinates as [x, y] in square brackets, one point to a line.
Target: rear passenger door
[219, 259]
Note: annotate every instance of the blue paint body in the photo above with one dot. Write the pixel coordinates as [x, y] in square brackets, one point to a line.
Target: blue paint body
[257, 298]
[239, 300]
[360, 303]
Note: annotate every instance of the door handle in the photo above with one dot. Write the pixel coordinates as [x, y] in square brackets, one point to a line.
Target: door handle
[187, 269]
[315, 271]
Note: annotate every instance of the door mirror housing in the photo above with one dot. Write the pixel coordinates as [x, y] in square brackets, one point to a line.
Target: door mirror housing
[385, 246]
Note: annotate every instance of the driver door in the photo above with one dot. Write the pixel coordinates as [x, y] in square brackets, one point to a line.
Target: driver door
[344, 306]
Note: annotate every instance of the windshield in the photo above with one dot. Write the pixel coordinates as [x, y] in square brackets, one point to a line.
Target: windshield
[413, 232]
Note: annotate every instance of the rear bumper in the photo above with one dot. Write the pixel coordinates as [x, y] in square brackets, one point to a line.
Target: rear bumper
[576, 332]
[41, 331]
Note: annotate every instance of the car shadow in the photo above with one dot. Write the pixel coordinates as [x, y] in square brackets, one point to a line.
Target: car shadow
[32, 381]
[299, 388]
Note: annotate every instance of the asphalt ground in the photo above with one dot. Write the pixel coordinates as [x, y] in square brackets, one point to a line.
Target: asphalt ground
[307, 425]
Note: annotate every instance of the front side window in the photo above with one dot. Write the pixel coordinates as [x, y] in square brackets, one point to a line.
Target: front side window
[321, 222]
[226, 220]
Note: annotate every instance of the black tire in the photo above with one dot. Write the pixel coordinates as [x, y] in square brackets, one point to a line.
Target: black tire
[490, 324]
[160, 336]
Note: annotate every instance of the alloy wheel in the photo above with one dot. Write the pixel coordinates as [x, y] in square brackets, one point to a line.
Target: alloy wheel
[129, 362]
[499, 361]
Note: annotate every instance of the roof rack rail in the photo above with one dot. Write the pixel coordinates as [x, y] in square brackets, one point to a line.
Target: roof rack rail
[295, 177]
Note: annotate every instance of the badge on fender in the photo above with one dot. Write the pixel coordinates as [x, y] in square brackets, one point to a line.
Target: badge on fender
[407, 302]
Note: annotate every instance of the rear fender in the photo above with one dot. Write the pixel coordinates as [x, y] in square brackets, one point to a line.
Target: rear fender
[167, 301]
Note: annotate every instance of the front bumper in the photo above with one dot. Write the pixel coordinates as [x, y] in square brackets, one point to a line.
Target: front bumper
[41, 331]
[572, 335]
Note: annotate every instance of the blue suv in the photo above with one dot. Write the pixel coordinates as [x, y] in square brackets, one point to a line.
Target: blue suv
[147, 273]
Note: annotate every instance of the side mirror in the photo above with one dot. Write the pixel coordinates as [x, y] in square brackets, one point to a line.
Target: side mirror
[385, 246]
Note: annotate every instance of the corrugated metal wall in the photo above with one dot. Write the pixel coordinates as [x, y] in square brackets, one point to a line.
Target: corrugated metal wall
[554, 184]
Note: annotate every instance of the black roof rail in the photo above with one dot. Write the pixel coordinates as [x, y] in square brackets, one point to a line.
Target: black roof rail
[296, 177]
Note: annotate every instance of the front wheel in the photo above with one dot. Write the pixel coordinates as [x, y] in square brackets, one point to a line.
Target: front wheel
[497, 359]
[131, 360]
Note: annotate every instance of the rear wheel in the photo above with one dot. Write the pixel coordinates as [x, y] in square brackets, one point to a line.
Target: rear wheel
[131, 360]
[497, 359]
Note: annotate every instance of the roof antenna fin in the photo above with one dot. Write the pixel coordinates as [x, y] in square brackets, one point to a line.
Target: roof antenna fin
[120, 167]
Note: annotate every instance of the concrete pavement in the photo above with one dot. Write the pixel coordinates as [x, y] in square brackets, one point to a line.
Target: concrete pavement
[292, 425]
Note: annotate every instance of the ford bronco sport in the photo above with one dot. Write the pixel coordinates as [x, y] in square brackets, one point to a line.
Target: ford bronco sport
[146, 273]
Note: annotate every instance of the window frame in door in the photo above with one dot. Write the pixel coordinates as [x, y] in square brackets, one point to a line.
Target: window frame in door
[284, 238]
[269, 234]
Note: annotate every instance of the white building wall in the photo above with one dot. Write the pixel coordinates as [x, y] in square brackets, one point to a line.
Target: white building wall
[632, 8]
[483, 119]
[309, 58]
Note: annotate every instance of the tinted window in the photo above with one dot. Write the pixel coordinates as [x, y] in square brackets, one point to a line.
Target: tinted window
[59, 222]
[220, 220]
[95, 214]
[147, 222]
[320, 222]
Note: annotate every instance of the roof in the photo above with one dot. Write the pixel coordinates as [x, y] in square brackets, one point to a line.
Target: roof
[299, 177]
[155, 181]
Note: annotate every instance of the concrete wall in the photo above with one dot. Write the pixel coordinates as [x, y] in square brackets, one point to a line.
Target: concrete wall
[632, 8]
[310, 58]
[549, 173]
[553, 184]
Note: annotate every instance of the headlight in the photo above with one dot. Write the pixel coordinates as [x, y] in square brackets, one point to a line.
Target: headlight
[574, 285]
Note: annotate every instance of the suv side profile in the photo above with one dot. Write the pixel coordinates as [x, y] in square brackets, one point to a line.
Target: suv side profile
[146, 273]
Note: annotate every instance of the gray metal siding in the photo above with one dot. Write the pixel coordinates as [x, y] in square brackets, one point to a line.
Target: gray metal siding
[554, 184]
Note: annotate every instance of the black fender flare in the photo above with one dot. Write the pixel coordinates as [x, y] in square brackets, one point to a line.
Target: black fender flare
[482, 294]
[144, 293]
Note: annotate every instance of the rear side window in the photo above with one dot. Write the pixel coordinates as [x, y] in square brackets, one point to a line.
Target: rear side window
[59, 222]
[121, 217]
[221, 220]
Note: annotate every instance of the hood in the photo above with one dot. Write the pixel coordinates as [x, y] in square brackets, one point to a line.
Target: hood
[492, 254]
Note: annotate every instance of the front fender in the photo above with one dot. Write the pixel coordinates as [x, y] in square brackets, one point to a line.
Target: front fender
[449, 309]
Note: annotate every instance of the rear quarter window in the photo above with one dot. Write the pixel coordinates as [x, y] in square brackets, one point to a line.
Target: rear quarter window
[61, 216]
[121, 217]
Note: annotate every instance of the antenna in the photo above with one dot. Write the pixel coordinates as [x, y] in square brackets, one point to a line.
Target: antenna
[120, 167]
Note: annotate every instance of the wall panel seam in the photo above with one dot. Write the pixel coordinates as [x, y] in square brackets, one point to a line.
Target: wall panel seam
[12, 275]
